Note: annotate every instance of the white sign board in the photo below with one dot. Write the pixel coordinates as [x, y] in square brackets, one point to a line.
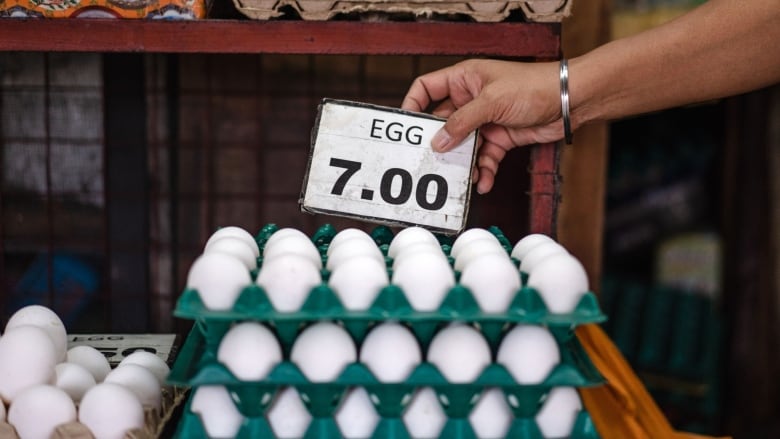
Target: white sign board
[116, 347]
[376, 163]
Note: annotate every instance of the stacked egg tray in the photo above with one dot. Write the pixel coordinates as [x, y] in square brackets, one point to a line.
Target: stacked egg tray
[197, 365]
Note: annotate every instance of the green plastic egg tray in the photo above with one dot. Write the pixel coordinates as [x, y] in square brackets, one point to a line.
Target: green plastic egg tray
[256, 425]
[196, 364]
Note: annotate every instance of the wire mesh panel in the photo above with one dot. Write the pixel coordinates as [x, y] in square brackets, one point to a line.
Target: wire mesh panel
[126, 164]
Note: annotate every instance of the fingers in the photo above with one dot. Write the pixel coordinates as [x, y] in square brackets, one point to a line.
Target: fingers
[428, 88]
[490, 156]
[461, 123]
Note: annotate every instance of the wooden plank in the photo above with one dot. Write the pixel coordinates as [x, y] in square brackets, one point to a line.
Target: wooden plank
[511, 39]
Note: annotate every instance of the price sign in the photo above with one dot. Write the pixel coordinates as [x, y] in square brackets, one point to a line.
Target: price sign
[376, 164]
[115, 347]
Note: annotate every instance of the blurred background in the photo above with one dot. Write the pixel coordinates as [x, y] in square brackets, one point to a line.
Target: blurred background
[115, 168]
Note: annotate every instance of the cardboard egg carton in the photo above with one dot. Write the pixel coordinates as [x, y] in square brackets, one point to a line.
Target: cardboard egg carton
[478, 10]
[155, 421]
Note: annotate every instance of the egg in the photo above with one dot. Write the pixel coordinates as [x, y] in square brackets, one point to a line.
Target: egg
[477, 249]
[140, 381]
[493, 281]
[282, 233]
[152, 362]
[322, 351]
[74, 379]
[234, 232]
[420, 247]
[28, 359]
[234, 247]
[391, 352]
[287, 280]
[408, 236]
[529, 353]
[249, 350]
[296, 245]
[110, 410]
[356, 417]
[288, 416]
[425, 279]
[358, 281]
[46, 319]
[219, 279]
[424, 417]
[467, 237]
[37, 411]
[491, 417]
[352, 248]
[559, 412]
[460, 352]
[217, 411]
[561, 281]
[91, 359]
[527, 243]
[347, 235]
[538, 254]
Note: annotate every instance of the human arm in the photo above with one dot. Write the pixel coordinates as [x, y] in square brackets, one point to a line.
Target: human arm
[722, 48]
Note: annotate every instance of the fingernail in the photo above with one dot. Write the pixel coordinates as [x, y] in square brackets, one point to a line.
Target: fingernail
[440, 140]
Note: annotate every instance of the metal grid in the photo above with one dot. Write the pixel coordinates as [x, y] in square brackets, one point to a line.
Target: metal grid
[181, 146]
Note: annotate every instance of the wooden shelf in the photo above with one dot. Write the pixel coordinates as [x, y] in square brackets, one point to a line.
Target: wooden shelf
[505, 39]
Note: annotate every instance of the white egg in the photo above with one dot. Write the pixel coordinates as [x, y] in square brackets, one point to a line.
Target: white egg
[467, 237]
[356, 417]
[408, 236]
[219, 279]
[420, 247]
[348, 235]
[74, 379]
[559, 412]
[527, 243]
[140, 381]
[152, 362]
[540, 253]
[37, 411]
[288, 416]
[491, 417]
[234, 247]
[529, 353]
[391, 352]
[110, 411]
[91, 359]
[46, 319]
[287, 280]
[477, 249]
[493, 281]
[217, 411]
[358, 281]
[28, 359]
[353, 248]
[460, 352]
[296, 245]
[425, 279]
[249, 350]
[322, 351]
[424, 417]
[282, 233]
[234, 232]
[561, 281]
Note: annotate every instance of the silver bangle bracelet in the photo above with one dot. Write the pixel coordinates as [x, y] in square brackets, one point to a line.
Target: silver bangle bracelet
[564, 76]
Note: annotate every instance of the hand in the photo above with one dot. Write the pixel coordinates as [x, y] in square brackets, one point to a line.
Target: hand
[512, 103]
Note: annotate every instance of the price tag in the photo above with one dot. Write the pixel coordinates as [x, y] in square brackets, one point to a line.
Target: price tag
[376, 164]
[116, 347]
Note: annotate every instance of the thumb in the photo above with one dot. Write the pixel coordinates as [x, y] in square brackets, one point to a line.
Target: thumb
[460, 124]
